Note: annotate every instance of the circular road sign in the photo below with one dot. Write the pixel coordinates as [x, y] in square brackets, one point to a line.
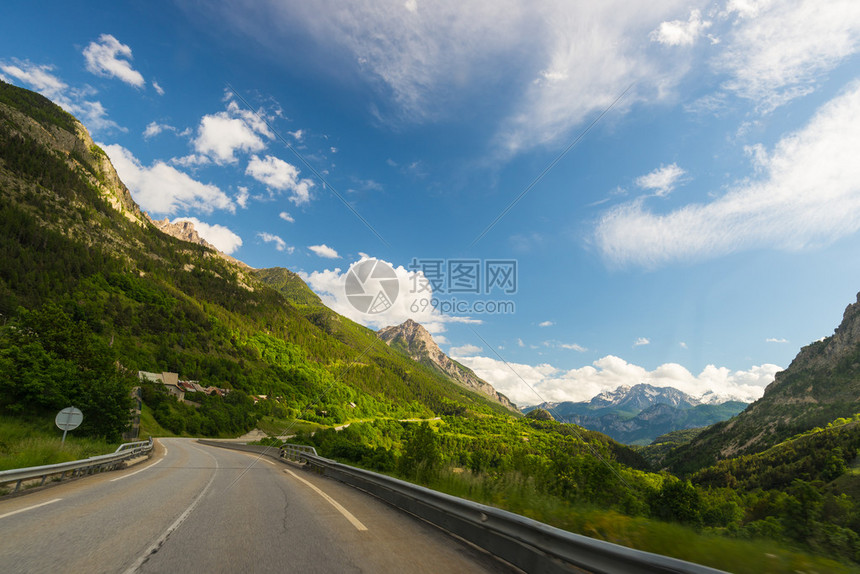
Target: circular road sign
[69, 418]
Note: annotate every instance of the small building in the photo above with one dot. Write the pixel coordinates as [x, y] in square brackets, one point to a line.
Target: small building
[169, 380]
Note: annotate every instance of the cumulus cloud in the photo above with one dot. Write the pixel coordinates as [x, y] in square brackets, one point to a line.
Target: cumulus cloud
[279, 175]
[662, 180]
[280, 244]
[76, 101]
[163, 189]
[324, 251]
[776, 50]
[221, 135]
[221, 237]
[546, 324]
[412, 302]
[286, 217]
[678, 33]
[641, 341]
[110, 58]
[610, 372]
[808, 195]
[465, 350]
[158, 89]
[775, 340]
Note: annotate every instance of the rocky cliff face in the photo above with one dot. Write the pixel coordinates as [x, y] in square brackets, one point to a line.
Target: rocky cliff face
[417, 342]
[73, 143]
[821, 384]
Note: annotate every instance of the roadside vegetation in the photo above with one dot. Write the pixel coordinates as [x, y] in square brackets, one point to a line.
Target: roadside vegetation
[584, 482]
[33, 442]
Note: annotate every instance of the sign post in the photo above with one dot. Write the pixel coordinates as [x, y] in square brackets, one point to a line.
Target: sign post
[68, 419]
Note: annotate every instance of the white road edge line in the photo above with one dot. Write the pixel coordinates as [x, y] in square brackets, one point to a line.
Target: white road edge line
[135, 472]
[160, 540]
[346, 513]
[30, 508]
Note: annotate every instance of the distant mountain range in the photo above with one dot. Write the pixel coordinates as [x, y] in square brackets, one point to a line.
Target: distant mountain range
[641, 413]
[414, 340]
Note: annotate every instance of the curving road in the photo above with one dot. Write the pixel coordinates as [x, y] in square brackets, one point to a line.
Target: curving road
[195, 508]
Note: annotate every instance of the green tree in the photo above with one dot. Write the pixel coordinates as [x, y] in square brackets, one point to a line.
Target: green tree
[421, 456]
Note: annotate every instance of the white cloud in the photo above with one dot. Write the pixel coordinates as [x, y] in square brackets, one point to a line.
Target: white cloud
[564, 60]
[546, 324]
[778, 49]
[279, 175]
[520, 343]
[808, 195]
[465, 351]
[324, 251]
[610, 372]
[280, 244]
[662, 180]
[678, 33]
[221, 237]
[109, 58]
[77, 102]
[190, 160]
[158, 89]
[242, 197]
[412, 301]
[286, 217]
[683, 345]
[162, 189]
[573, 347]
[298, 135]
[641, 341]
[221, 135]
[774, 340]
[154, 128]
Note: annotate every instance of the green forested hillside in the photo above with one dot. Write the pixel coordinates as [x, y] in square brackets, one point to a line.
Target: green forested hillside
[161, 304]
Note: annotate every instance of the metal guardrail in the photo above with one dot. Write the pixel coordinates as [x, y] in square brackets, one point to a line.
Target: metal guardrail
[527, 544]
[77, 467]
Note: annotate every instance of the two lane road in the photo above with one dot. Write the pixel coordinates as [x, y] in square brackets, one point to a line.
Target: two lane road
[195, 508]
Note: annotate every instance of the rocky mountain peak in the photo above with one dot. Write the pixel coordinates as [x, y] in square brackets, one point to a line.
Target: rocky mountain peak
[183, 230]
[417, 342]
[825, 353]
[186, 231]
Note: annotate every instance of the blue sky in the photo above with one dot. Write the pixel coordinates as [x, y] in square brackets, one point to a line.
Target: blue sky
[692, 189]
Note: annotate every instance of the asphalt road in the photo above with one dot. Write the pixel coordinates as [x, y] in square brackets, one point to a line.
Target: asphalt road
[194, 508]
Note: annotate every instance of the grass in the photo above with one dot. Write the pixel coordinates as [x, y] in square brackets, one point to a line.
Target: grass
[33, 442]
[273, 426]
[149, 426]
[675, 540]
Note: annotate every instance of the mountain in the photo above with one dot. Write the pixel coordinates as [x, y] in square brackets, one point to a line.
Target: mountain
[289, 285]
[641, 413]
[155, 302]
[414, 340]
[820, 385]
